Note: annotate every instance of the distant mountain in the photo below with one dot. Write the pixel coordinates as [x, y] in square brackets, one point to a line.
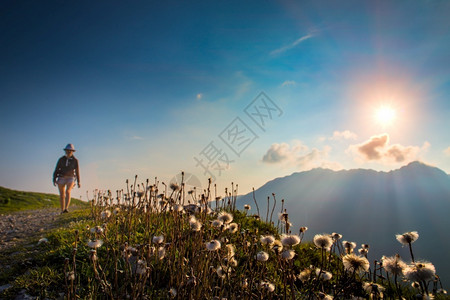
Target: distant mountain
[367, 206]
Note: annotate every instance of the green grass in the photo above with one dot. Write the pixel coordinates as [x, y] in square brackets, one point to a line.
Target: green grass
[13, 201]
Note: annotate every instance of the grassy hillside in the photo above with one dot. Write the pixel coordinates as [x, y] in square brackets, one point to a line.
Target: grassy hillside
[12, 200]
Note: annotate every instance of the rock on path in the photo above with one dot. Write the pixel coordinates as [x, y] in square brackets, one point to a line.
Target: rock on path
[19, 226]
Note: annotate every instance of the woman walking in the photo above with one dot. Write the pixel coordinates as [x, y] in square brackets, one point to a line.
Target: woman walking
[65, 173]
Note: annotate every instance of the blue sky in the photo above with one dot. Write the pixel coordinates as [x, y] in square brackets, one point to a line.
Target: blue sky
[144, 87]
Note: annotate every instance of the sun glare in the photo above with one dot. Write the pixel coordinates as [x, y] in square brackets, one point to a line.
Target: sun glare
[385, 115]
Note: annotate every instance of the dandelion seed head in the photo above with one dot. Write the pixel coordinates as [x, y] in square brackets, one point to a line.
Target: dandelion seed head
[141, 267]
[407, 237]
[213, 245]
[105, 214]
[290, 239]
[195, 224]
[158, 239]
[323, 241]
[267, 286]
[283, 217]
[420, 271]
[363, 251]
[161, 252]
[373, 288]
[173, 292]
[303, 229]
[225, 217]
[217, 223]
[262, 256]
[267, 239]
[247, 207]
[70, 275]
[233, 228]
[324, 275]
[116, 210]
[288, 254]
[230, 250]
[336, 236]
[354, 263]
[393, 265]
[95, 244]
[305, 275]
[349, 246]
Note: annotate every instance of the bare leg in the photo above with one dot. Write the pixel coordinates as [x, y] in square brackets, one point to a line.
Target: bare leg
[62, 191]
[68, 191]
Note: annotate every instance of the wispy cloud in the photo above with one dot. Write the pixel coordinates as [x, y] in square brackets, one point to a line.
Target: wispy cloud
[288, 82]
[292, 45]
[343, 135]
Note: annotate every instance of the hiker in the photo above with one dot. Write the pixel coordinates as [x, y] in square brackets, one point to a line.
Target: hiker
[65, 173]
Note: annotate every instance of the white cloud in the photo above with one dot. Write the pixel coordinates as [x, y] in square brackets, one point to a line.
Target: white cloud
[343, 135]
[283, 152]
[378, 149]
[292, 45]
[288, 82]
[300, 156]
[447, 151]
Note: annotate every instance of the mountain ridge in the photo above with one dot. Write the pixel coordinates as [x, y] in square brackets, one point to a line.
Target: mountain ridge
[368, 206]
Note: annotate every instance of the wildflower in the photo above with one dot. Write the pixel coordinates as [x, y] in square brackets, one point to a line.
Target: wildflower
[213, 245]
[222, 272]
[267, 239]
[420, 271]
[195, 224]
[230, 250]
[290, 239]
[277, 246]
[323, 241]
[305, 275]
[267, 286]
[303, 229]
[288, 254]
[407, 237]
[262, 256]
[70, 275]
[363, 251]
[324, 296]
[349, 246]
[225, 217]
[105, 214]
[178, 208]
[354, 263]
[393, 265]
[324, 274]
[173, 292]
[42, 240]
[373, 288]
[336, 236]
[174, 186]
[283, 217]
[233, 227]
[141, 267]
[158, 239]
[161, 252]
[95, 244]
[233, 262]
[247, 207]
[244, 283]
[217, 223]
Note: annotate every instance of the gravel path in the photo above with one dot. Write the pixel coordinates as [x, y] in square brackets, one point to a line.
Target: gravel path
[17, 227]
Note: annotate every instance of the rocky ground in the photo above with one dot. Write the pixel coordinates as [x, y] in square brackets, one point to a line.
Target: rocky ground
[18, 227]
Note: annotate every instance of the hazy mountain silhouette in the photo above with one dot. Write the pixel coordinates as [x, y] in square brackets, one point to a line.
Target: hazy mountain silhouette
[367, 206]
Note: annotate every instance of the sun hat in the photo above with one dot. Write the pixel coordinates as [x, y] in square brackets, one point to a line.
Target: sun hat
[70, 147]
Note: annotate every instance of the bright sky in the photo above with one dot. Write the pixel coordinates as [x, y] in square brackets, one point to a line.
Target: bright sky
[152, 87]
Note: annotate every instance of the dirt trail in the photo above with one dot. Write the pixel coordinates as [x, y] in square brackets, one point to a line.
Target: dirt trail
[17, 227]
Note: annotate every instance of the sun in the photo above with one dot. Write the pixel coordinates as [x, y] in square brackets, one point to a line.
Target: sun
[385, 115]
